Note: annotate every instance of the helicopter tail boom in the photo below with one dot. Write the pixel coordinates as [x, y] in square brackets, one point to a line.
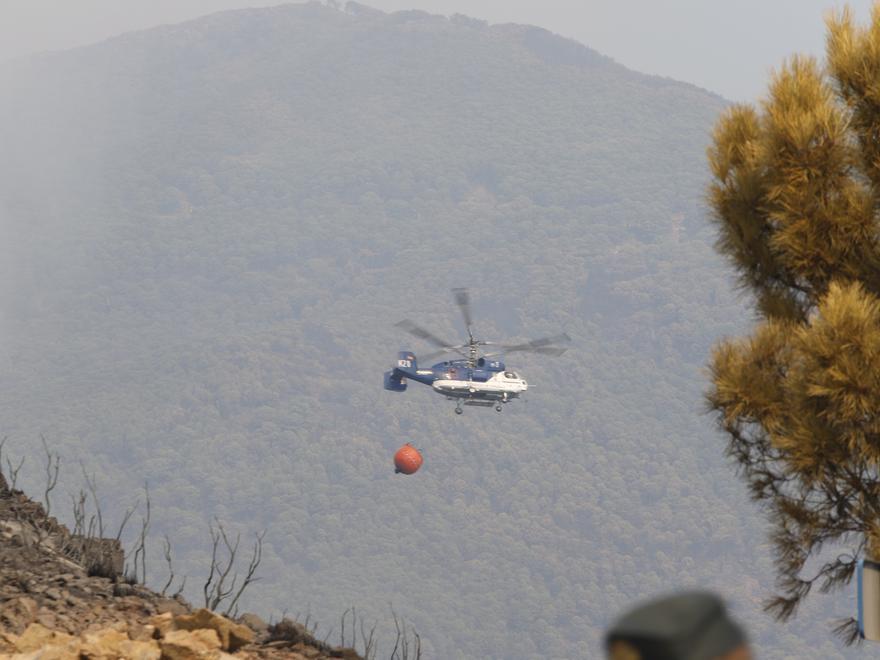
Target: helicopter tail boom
[407, 367]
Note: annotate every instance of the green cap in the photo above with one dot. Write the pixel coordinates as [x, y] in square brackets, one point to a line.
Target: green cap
[687, 626]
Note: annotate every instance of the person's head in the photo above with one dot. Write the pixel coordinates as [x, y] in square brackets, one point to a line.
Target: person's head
[685, 626]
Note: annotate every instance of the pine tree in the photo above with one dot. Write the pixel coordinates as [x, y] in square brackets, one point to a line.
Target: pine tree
[796, 198]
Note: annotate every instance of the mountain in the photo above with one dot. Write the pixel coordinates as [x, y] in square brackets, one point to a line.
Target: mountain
[209, 230]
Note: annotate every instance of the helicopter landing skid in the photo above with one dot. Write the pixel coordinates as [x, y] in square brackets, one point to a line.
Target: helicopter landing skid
[480, 403]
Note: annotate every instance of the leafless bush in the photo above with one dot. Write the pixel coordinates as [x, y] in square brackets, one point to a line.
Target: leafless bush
[166, 551]
[404, 648]
[53, 466]
[12, 478]
[140, 550]
[358, 627]
[102, 557]
[9, 486]
[356, 633]
[92, 484]
[217, 587]
[2, 476]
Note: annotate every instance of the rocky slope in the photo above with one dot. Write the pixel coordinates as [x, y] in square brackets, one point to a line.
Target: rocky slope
[54, 603]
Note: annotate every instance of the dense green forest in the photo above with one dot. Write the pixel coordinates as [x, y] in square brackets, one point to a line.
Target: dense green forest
[208, 231]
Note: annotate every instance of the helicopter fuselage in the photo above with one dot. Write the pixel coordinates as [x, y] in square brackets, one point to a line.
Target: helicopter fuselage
[484, 382]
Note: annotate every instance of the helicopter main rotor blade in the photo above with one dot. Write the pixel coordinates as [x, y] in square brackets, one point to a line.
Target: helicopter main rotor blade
[463, 300]
[554, 351]
[445, 351]
[421, 333]
[542, 345]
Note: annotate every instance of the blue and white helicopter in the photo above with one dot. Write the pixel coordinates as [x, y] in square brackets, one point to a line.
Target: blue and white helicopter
[473, 379]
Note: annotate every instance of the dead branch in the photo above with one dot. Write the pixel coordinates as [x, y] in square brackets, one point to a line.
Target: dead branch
[52, 469]
[143, 540]
[208, 587]
[180, 588]
[73, 543]
[250, 577]
[368, 640]
[397, 640]
[166, 550]
[401, 649]
[79, 512]
[2, 444]
[140, 551]
[342, 628]
[92, 484]
[13, 473]
[217, 587]
[223, 573]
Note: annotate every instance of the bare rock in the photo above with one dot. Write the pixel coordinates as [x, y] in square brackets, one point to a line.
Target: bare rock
[38, 636]
[112, 643]
[50, 653]
[232, 635]
[19, 582]
[308, 652]
[201, 644]
[141, 632]
[7, 642]
[103, 644]
[65, 623]
[142, 650]
[46, 617]
[18, 613]
[254, 622]
[162, 624]
[171, 605]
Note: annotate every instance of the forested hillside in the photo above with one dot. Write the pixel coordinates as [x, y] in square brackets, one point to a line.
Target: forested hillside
[208, 232]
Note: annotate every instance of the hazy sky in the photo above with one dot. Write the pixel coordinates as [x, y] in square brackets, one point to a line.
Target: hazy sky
[727, 46]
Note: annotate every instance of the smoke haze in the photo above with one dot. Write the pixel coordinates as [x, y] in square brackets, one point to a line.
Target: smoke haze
[726, 47]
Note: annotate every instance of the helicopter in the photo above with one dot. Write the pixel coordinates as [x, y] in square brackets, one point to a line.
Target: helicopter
[473, 379]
